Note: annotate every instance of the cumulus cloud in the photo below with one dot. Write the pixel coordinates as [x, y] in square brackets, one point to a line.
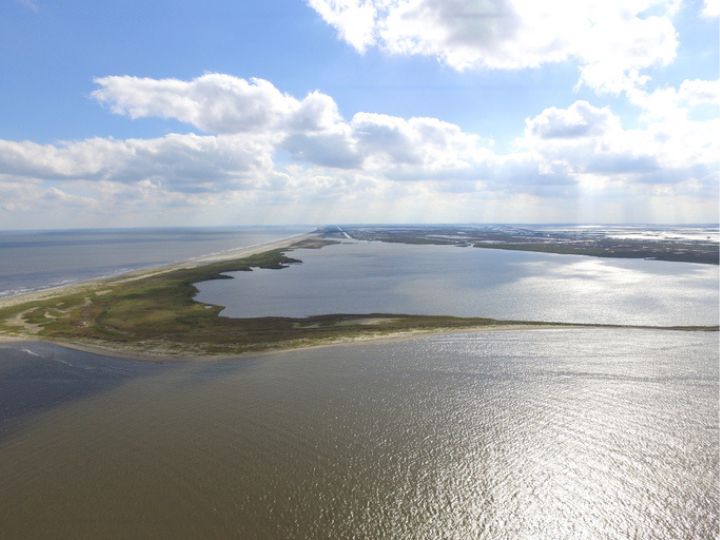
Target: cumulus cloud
[214, 102]
[579, 120]
[354, 20]
[182, 162]
[335, 148]
[591, 145]
[302, 153]
[711, 8]
[311, 129]
[613, 41]
[561, 147]
[699, 92]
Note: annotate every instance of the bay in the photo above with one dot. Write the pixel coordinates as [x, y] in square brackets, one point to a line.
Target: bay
[556, 434]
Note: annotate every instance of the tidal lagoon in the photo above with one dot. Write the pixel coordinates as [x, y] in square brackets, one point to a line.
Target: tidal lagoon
[376, 277]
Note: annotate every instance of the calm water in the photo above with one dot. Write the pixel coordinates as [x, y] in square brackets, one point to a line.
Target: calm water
[551, 434]
[442, 280]
[39, 259]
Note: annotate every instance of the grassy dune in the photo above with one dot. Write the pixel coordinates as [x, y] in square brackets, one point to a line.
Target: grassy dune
[156, 315]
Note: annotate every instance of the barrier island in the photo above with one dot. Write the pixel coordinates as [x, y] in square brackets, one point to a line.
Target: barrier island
[153, 314]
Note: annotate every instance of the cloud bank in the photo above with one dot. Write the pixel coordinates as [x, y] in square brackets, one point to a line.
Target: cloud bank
[258, 152]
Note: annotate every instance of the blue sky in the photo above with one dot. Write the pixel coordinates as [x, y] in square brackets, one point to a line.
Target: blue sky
[529, 117]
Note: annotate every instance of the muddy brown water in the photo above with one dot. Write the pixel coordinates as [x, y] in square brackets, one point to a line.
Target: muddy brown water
[512, 434]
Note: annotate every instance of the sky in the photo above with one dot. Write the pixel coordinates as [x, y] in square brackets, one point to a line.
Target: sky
[232, 112]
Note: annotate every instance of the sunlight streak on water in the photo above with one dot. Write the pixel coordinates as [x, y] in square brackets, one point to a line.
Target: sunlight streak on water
[557, 434]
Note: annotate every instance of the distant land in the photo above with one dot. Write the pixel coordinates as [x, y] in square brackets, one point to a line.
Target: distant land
[693, 245]
[153, 313]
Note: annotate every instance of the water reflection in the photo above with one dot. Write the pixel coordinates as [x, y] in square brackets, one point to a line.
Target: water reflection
[540, 434]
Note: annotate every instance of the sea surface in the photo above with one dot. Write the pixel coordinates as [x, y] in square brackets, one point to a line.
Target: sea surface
[539, 434]
[375, 277]
[31, 260]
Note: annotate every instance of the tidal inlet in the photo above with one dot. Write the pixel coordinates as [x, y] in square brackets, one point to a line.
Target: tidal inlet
[359, 270]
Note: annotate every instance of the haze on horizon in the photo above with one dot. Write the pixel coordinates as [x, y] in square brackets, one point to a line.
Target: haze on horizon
[358, 111]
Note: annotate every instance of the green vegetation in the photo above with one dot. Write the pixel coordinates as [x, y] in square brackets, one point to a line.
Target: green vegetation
[155, 314]
[613, 250]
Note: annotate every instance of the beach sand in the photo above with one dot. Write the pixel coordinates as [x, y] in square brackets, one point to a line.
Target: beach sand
[95, 285]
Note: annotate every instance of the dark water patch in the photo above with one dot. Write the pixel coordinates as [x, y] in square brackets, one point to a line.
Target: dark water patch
[35, 377]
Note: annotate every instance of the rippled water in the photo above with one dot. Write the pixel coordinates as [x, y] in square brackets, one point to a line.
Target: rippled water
[518, 434]
[441, 280]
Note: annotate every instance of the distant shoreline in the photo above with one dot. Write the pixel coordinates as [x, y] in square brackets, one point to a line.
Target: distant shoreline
[69, 288]
[539, 240]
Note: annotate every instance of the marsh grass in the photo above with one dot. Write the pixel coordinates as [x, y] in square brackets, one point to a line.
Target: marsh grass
[157, 314]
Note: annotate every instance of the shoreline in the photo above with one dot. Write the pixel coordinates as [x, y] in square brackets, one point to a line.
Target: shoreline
[147, 356]
[133, 275]
[167, 356]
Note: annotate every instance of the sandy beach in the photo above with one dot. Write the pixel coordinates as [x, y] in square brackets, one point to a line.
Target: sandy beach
[166, 355]
[95, 284]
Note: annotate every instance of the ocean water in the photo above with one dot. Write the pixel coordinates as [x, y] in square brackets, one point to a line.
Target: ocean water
[542, 434]
[31, 260]
[374, 277]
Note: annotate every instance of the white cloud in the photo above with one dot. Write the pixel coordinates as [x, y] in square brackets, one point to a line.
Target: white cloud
[301, 156]
[311, 129]
[353, 19]
[415, 148]
[699, 92]
[670, 105]
[613, 41]
[16, 196]
[591, 145]
[711, 8]
[181, 162]
[561, 148]
[214, 102]
[331, 148]
[579, 120]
